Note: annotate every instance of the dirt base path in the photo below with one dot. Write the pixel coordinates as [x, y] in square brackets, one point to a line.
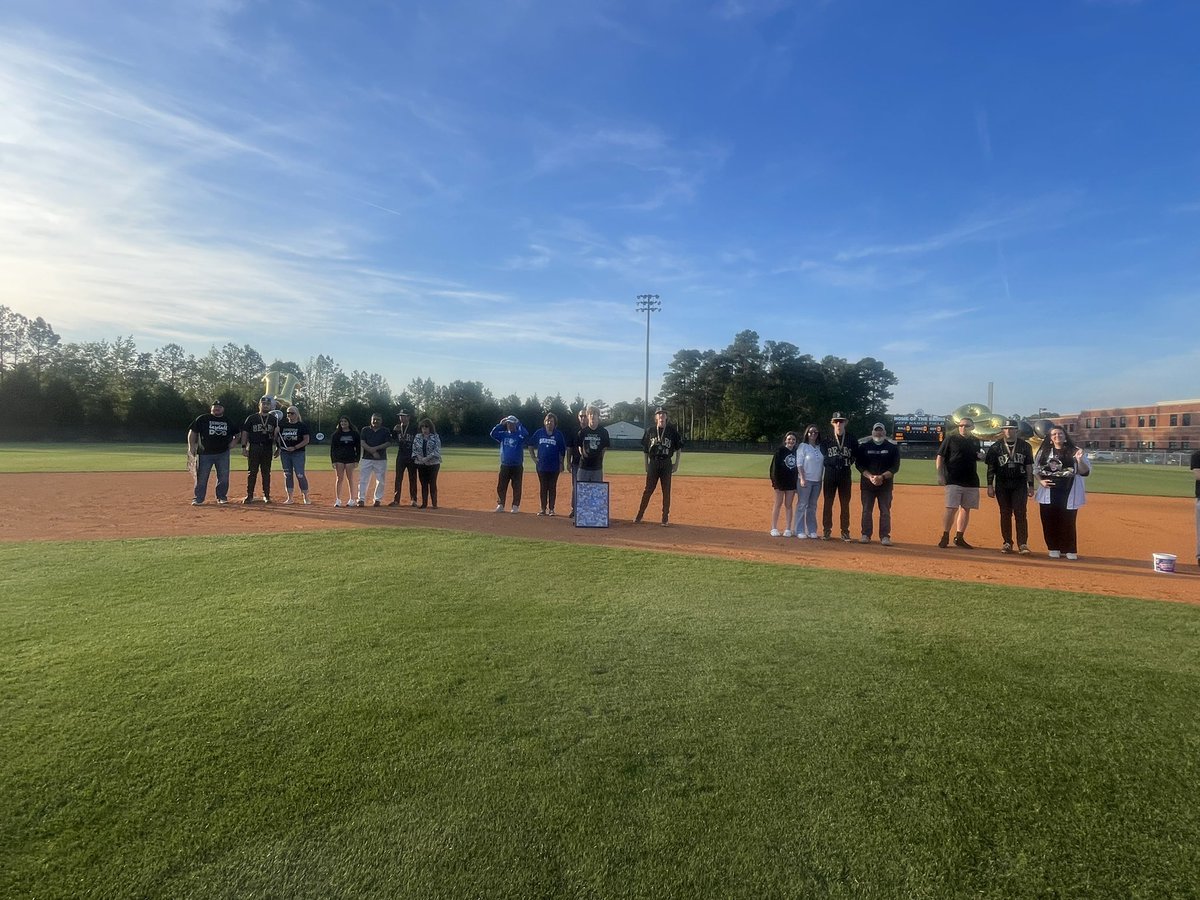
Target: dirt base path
[725, 517]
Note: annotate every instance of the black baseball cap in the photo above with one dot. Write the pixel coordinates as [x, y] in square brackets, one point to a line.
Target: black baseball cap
[838, 417]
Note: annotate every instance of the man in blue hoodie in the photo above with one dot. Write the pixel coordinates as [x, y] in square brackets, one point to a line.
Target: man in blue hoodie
[511, 435]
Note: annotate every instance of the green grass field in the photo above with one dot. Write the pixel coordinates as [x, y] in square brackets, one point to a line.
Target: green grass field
[361, 714]
[1151, 481]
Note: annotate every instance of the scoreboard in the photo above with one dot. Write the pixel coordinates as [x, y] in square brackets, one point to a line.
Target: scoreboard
[919, 429]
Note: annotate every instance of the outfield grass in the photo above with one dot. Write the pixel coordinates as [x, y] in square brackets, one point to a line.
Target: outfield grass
[360, 714]
[1149, 481]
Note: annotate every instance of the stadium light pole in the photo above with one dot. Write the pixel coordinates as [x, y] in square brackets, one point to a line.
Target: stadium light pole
[647, 303]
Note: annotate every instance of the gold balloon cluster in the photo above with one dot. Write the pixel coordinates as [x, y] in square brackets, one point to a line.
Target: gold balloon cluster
[988, 425]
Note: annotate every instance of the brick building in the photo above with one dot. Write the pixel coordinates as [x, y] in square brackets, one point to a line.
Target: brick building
[1172, 425]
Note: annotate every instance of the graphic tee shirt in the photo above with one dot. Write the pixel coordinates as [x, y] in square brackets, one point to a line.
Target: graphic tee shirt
[261, 428]
[291, 435]
[960, 454]
[661, 443]
[784, 474]
[215, 433]
[550, 448]
[592, 442]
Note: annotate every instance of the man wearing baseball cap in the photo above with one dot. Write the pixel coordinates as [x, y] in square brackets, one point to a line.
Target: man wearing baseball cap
[209, 437]
[839, 452]
[662, 447]
[1010, 480]
[258, 446]
[878, 462]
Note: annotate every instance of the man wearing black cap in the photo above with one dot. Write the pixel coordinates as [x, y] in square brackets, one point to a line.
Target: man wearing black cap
[1010, 480]
[404, 459]
[878, 461]
[258, 446]
[839, 451]
[663, 448]
[209, 437]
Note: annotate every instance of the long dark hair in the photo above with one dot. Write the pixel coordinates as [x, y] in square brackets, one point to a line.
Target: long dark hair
[812, 426]
[1069, 447]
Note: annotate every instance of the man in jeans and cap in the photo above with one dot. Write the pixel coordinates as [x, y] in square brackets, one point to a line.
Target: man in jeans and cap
[839, 452]
[1010, 481]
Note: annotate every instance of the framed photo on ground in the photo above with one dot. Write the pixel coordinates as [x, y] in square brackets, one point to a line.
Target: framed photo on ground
[591, 504]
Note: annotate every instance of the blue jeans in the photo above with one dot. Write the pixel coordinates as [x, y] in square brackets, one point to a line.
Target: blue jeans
[204, 465]
[807, 498]
[293, 463]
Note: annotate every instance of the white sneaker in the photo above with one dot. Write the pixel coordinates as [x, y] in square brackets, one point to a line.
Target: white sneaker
[306, 501]
[813, 536]
[499, 507]
[787, 532]
[886, 541]
[337, 503]
[801, 535]
[288, 500]
[515, 509]
[1072, 556]
[1054, 554]
[774, 532]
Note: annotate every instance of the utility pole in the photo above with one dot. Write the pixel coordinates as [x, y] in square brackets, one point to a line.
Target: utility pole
[647, 303]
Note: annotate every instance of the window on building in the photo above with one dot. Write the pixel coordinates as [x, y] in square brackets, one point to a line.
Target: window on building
[1112, 422]
[1122, 421]
[1185, 445]
[1154, 421]
[1070, 428]
[1112, 445]
[1141, 421]
[1187, 418]
[1171, 445]
[1174, 420]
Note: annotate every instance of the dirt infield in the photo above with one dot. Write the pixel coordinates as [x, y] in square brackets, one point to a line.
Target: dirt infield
[725, 517]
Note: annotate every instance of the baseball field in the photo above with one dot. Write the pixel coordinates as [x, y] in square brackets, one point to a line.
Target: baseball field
[317, 702]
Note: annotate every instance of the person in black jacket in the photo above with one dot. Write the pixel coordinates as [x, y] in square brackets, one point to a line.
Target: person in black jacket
[878, 461]
[784, 477]
[839, 451]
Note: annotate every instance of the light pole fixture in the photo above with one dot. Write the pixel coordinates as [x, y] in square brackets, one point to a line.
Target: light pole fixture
[647, 303]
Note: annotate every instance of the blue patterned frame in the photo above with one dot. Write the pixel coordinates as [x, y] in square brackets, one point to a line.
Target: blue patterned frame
[591, 504]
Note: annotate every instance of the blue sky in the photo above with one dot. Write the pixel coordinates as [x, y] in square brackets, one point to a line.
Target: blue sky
[969, 192]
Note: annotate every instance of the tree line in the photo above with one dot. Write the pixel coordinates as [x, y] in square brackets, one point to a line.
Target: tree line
[109, 390]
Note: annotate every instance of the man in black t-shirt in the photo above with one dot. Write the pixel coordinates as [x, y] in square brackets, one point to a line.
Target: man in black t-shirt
[258, 446]
[1195, 464]
[663, 449]
[209, 437]
[958, 473]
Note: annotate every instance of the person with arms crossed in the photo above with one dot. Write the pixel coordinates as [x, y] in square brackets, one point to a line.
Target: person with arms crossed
[957, 472]
[375, 439]
[548, 450]
[427, 454]
[878, 462]
[592, 441]
[662, 447]
[839, 453]
[1010, 481]
[209, 437]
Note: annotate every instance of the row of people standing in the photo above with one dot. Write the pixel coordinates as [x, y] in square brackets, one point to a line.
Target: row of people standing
[801, 470]
[418, 455]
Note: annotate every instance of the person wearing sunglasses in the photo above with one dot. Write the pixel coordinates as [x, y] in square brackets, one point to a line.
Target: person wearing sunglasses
[292, 436]
[958, 472]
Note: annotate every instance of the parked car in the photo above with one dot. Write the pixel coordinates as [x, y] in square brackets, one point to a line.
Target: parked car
[1102, 456]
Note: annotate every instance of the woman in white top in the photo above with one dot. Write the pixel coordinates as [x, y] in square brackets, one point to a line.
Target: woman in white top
[811, 465]
[1059, 468]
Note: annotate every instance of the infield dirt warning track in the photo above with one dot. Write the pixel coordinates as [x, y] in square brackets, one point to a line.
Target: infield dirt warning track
[726, 517]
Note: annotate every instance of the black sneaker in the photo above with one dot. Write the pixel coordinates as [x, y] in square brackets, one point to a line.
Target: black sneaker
[825, 536]
[246, 501]
[960, 541]
[376, 503]
[845, 537]
[1007, 548]
[944, 542]
[394, 503]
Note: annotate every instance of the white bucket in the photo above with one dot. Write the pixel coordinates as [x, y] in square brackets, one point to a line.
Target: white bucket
[1164, 562]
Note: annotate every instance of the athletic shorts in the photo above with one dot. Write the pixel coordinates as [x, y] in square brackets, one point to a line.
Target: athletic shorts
[966, 497]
